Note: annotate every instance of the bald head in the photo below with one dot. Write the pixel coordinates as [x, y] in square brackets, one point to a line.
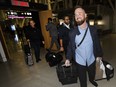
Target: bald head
[80, 15]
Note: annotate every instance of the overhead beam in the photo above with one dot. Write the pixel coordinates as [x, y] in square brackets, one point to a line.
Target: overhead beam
[49, 4]
[111, 5]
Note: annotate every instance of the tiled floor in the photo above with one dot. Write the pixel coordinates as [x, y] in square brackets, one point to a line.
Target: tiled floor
[15, 73]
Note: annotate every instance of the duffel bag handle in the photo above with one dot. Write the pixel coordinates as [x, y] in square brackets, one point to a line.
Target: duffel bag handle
[64, 66]
[67, 66]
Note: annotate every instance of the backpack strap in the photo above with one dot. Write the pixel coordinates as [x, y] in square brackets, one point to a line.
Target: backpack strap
[83, 37]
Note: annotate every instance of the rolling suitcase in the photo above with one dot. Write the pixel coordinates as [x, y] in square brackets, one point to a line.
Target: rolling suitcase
[28, 55]
[67, 75]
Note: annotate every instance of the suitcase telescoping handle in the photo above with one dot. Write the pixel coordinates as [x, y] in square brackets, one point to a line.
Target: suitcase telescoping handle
[64, 66]
[29, 44]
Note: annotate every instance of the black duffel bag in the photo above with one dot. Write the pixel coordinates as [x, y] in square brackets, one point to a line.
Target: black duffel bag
[53, 58]
[109, 70]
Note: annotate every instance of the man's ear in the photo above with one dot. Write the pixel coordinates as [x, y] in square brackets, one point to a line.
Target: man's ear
[85, 15]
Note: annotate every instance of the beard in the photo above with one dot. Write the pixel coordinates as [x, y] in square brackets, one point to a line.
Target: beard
[67, 23]
[80, 22]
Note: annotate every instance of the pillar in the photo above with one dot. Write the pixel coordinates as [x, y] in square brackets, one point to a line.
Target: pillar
[43, 16]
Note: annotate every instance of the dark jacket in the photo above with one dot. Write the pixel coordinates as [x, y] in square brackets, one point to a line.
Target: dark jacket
[51, 27]
[34, 34]
[63, 32]
[97, 50]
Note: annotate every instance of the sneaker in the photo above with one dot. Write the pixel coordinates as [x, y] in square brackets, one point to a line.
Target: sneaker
[38, 60]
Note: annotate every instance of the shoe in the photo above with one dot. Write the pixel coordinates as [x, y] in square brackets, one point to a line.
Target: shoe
[37, 61]
[94, 83]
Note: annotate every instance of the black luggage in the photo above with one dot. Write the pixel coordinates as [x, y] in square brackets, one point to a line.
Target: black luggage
[28, 55]
[53, 58]
[67, 75]
[109, 70]
[27, 49]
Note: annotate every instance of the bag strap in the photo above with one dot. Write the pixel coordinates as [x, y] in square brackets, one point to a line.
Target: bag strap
[83, 37]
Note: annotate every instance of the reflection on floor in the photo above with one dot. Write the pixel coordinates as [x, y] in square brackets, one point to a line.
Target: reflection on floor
[15, 73]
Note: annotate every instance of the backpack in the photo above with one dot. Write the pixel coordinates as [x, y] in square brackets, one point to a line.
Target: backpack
[53, 58]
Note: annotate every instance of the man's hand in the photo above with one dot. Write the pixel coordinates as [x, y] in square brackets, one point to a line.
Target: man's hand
[43, 42]
[98, 58]
[67, 63]
[28, 40]
[61, 49]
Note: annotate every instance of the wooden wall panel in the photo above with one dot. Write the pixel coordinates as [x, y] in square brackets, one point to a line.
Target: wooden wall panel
[44, 15]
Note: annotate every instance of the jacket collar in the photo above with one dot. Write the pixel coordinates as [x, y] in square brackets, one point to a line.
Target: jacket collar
[77, 30]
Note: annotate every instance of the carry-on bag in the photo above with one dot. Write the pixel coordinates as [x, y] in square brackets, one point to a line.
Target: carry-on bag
[109, 69]
[67, 75]
[104, 70]
[28, 54]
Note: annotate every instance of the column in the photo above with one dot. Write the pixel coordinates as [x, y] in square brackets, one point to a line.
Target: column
[3, 47]
[2, 54]
[49, 4]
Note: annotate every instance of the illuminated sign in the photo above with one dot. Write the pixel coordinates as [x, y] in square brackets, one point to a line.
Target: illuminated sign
[19, 3]
[21, 15]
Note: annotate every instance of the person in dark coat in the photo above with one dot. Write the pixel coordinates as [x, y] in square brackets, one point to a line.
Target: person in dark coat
[86, 53]
[34, 36]
[52, 28]
[64, 30]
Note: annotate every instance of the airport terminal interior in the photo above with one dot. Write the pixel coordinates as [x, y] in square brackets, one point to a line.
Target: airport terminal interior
[14, 72]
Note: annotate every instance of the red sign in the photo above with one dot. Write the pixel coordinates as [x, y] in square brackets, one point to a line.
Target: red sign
[19, 3]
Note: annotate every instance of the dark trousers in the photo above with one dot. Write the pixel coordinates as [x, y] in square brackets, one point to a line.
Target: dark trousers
[65, 45]
[54, 40]
[82, 72]
[36, 47]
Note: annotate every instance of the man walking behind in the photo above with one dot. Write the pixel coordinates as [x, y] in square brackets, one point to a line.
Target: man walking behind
[51, 27]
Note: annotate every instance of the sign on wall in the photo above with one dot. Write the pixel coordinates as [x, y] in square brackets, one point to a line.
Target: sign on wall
[19, 3]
